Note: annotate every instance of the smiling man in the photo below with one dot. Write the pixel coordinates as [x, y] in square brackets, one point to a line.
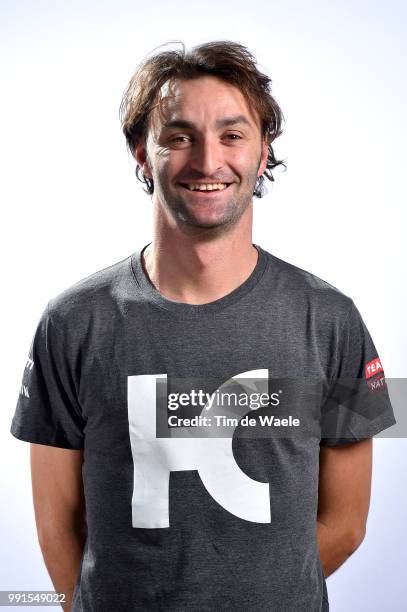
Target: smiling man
[200, 413]
[206, 157]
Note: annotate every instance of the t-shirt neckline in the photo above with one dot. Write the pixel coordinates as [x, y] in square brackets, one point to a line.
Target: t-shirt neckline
[184, 309]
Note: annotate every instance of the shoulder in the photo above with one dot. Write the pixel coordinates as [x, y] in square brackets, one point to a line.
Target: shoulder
[97, 291]
[301, 290]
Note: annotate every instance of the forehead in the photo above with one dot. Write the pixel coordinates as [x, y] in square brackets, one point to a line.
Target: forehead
[201, 99]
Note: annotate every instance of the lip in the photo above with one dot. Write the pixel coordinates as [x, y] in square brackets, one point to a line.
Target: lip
[206, 194]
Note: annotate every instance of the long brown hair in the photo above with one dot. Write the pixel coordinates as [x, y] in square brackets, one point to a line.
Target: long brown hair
[224, 59]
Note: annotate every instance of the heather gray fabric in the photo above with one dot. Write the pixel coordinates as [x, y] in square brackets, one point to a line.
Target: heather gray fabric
[112, 328]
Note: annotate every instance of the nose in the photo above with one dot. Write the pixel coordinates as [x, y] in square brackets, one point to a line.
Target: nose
[207, 156]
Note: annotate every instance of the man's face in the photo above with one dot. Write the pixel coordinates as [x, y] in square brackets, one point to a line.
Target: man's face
[207, 137]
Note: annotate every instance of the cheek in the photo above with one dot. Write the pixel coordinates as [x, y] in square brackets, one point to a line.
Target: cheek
[243, 162]
[170, 164]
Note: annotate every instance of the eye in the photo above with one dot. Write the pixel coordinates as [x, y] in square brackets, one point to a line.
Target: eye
[233, 137]
[180, 139]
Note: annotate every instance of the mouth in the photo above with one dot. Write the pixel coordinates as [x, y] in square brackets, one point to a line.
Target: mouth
[206, 189]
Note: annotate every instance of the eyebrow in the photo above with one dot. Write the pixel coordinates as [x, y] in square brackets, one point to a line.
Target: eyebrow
[227, 121]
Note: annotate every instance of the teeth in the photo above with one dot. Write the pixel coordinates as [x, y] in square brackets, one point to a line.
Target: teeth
[207, 186]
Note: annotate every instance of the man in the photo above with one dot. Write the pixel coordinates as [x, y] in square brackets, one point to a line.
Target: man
[151, 491]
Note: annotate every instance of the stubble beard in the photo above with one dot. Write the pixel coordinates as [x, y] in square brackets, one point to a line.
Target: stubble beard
[232, 211]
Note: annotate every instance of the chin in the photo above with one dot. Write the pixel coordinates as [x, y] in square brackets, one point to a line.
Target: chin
[205, 223]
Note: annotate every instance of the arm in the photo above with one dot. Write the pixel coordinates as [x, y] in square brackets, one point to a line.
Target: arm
[343, 501]
[59, 508]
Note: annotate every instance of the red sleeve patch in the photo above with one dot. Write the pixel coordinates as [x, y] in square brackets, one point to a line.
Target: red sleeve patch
[373, 367]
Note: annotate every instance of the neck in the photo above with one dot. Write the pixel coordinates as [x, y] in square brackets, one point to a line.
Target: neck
[200, 269]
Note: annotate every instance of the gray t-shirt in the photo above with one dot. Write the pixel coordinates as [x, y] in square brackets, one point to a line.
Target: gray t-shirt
[181, 515]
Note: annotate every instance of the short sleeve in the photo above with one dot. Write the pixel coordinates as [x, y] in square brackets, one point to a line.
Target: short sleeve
[358, 405]
[48, 410]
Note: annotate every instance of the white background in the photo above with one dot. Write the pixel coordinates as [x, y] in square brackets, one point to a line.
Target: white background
[71, 204]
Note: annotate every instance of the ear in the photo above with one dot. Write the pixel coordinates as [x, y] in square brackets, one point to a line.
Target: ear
[140, 154]
[264, 155]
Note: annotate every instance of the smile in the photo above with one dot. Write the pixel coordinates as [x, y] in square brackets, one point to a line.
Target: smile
[206, 188]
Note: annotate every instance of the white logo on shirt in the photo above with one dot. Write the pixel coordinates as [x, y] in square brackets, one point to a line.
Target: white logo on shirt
[155, 458]
[24, 391]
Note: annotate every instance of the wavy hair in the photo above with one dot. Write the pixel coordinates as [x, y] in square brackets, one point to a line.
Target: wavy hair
[227, 60]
